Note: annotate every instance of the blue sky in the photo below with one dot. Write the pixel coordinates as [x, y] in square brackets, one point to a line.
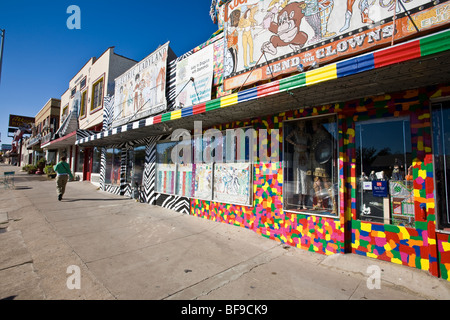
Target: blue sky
[41, 54]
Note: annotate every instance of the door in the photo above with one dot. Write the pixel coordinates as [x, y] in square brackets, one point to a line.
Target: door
[88, 162]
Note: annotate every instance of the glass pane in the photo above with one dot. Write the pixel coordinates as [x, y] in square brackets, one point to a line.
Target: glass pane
[80, 163]
[116, 165]
[96, 159]
[310, 164]
[165, 168]
[109, 166]
[383, 170]
[139, 165]
[441, 144]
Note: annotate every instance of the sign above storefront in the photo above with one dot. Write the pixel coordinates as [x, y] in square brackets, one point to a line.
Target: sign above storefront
[195, 78]
[20, 121]
[141, 91]
[269, 38]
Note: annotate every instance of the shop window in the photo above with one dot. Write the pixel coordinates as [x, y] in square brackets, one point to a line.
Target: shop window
[310, 166]
[441, 150]
[96, 160]
[97, 95]
[384, 172]
[165, 168]
[113, 165]
[80, 162]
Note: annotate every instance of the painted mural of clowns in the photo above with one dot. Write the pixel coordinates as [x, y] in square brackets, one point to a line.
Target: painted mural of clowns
[364, 6]
[312, 16]
[325, 7]
[246, 23]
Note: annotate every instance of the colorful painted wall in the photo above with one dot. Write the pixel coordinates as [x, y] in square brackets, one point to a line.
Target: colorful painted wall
[420, 247]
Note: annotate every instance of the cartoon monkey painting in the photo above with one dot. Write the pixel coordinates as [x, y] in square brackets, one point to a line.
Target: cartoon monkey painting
[287, 30]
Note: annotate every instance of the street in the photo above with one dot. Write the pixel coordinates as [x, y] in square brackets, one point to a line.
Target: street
[93, 245]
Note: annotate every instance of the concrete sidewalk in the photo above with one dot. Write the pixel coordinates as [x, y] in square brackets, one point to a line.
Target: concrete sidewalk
[128, 250]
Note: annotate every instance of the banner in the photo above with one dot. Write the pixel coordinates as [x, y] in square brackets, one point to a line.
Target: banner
[195, 78]
[141, 91]
[269, 38]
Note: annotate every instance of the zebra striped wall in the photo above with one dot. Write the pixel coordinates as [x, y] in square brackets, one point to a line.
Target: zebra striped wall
[148, 193]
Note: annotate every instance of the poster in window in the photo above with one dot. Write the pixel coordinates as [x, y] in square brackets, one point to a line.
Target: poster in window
[203, 181]
[402, 202]
[165, 178]
[184, 180]
[232, 183]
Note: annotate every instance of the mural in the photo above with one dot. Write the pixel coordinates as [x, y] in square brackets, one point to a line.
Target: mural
[294, 35]
[141, 91]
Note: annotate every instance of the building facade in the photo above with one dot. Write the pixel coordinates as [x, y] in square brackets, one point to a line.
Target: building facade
[82, 106]
[334, 141]
[45, 126]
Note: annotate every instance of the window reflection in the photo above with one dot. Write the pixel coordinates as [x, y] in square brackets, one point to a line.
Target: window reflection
[441, 147]
[310, 164]
[384, 171]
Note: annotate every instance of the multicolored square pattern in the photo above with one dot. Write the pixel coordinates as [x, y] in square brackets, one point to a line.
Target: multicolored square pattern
[421, 247]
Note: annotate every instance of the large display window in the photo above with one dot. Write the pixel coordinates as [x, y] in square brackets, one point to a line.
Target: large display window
[310, 165]
[112, 168]
[165, 168]
[384, 171]
[441, 150]
[207, 168]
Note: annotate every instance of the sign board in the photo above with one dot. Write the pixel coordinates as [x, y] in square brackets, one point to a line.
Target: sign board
[380, 189]
[268, 38]
[141, 91]
[20, 121]
[195, 78]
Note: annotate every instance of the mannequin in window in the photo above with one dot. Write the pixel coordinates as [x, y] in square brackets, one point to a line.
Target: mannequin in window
[321, 159]
[397, 172]
[299, 138]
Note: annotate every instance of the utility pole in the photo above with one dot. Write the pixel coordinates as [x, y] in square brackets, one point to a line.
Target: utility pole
[2, 34]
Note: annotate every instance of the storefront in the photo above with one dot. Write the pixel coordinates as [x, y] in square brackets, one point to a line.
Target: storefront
[350, 157]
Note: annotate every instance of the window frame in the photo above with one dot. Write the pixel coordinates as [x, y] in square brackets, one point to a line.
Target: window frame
[83, 105]
[93, 107]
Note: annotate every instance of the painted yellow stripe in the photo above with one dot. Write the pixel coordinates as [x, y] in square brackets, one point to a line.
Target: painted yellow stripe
[229, 100]
[322, 74]
[175, 114]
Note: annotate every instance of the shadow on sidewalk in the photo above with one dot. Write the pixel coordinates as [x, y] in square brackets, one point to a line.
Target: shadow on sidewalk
[92, 199]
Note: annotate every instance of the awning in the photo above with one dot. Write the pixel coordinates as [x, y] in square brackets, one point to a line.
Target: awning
[414, 64]
[66, 141]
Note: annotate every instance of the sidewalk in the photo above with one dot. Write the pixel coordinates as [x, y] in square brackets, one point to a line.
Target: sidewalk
[128, 250]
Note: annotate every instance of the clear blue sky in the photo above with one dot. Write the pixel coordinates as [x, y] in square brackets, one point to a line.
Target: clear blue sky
[41, 54]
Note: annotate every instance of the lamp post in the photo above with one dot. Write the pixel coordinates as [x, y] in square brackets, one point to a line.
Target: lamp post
[2, 34]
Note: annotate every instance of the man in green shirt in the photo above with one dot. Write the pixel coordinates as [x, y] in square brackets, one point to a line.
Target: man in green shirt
[63, 172]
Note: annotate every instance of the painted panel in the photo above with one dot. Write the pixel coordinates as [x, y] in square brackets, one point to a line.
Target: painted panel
[141, 91]
[232, 183]
[268, 38]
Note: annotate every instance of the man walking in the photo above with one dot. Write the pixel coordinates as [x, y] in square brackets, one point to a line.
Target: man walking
[63, 173]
